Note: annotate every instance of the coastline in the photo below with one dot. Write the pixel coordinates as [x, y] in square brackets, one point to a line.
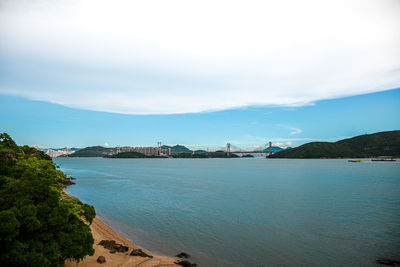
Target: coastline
[101, 231]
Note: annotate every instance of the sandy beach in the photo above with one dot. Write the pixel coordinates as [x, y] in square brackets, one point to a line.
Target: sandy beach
[100, 232]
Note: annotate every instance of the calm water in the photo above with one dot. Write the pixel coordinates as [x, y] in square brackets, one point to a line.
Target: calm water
[248, 212]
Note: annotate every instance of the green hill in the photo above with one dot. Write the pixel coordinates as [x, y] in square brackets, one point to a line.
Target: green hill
[177, 149]
[273, 149]
[317, 150]
[363, 146]
[126, 155]
[206, 155]
[92, 151]
[378, 144]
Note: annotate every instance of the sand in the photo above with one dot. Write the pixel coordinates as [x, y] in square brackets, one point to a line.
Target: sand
[100, 232]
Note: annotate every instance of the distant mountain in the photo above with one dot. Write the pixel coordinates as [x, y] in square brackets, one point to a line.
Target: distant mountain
[200, 151]
[378, 144]
[363, 146]
[274, 149]
[92, 151]
[177, 149]
[317, 150]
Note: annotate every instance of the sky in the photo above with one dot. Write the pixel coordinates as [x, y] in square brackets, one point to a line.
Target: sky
[53, 125]
[197, 72]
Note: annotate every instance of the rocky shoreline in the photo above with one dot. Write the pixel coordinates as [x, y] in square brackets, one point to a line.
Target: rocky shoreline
[112, 249]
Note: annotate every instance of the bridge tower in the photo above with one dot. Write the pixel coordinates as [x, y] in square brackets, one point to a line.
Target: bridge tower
[270, 149]
[228, 148]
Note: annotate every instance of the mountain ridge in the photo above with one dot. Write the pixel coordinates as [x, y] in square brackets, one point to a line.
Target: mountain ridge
[363, 146]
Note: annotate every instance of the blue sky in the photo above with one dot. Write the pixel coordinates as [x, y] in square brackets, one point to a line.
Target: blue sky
[51, 125]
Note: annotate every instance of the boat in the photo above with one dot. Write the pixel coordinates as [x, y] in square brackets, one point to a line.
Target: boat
[383, 159]
[354, 160]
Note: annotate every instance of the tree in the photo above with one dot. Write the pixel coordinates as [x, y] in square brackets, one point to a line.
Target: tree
[38, 227]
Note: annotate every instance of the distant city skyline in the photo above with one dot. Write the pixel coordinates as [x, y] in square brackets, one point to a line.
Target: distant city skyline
[54, 126]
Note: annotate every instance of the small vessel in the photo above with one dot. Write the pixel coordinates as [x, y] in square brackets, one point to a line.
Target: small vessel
[354, 160]
[383, 159]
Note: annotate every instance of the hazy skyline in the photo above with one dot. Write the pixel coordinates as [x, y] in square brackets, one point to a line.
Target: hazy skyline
[168, 57]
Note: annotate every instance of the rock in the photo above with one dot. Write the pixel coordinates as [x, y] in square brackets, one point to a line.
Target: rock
[101, 259]
[183, 255]
[120, 248]
[67, 182]
[108, 244]
[113, 246]
[388, 262]
[140, 253]
[185, 263]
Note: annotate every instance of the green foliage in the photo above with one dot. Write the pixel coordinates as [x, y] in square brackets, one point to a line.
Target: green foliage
[378, 144]
[79, 209]
[369, 145]
[34, 152]
[177, 149]
[317, 150]
[37, 226]
[92, 151]
[7, 142]
[131, 154]
[206, 155]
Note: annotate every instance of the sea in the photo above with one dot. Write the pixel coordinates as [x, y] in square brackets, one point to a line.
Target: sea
[248, 211]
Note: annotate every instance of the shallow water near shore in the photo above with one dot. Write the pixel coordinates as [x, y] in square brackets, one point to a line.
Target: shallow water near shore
[248, 212]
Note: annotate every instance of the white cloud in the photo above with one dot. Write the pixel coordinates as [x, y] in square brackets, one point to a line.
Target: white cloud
[147, 57]
[295, 131]
[106, 144]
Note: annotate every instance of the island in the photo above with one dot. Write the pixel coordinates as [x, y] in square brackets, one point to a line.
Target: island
[130, 155]
[363, 146]
[218, 154]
